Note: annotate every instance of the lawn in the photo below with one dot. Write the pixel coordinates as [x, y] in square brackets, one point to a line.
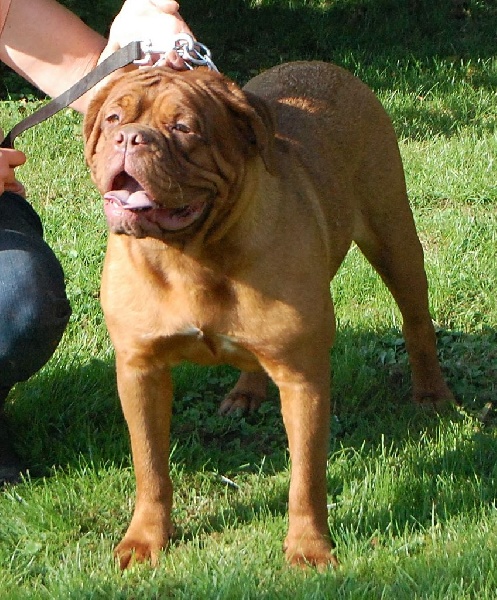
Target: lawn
[412, 496]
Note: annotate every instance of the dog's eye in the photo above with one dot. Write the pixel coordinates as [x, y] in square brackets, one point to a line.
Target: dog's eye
[112, 118]
[181, 127]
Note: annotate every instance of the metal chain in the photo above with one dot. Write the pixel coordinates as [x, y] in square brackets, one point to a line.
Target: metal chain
[192, 52]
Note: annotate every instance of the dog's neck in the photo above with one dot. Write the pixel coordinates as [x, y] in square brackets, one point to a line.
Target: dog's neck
[242, 220]
[239, 215]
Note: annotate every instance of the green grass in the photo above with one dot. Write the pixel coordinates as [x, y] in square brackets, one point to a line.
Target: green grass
[412, 496]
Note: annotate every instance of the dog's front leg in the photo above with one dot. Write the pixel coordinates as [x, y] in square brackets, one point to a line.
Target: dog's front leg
[146, 397]
[305, 405]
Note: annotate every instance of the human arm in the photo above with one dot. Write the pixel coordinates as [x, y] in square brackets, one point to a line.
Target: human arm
[53, 49]
[49, 45]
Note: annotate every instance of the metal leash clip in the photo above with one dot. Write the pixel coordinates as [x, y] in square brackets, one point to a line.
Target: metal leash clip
[192, 52]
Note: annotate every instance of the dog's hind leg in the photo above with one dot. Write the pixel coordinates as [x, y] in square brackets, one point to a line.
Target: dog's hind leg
[390, 243]
[247, 395]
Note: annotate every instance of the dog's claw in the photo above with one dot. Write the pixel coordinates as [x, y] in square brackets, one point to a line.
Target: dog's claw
[132, 551]
[240, 402]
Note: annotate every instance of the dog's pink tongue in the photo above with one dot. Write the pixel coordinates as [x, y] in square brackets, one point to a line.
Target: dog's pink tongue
[130, 200]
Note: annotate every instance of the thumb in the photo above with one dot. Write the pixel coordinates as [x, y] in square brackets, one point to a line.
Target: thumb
[109, 49]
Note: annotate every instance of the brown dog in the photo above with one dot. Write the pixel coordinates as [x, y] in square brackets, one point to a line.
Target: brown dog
[226, 230]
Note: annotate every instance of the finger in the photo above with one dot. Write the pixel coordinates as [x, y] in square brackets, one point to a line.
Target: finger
[167, 6]
[10, 158]
[173, 59]
[7, 176]
[17, 158]
[15, 187]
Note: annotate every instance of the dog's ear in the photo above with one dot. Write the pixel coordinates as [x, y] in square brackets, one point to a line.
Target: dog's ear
[90, 118]
[263, 127]
[91, 133]
[254, 113]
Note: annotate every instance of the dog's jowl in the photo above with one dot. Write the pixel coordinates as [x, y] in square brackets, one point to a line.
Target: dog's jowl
[230, 211]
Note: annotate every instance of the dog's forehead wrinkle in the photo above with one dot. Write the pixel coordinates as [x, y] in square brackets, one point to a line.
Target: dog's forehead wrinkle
[129, 104]
[138, 85]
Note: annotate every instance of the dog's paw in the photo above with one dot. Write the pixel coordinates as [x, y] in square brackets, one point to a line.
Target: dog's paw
[249, 393]
[131, 551]
[310, 552]
[143, 543]
[240, 402]
[440, 400]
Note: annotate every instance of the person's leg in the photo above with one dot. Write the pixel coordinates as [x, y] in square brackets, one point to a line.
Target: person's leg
[34, 310]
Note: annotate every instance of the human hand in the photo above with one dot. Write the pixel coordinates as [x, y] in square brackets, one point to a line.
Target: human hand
[142, 20]
[9, 160]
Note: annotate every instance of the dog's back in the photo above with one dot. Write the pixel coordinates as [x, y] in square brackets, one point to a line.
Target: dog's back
[345, 140]
[319, 103]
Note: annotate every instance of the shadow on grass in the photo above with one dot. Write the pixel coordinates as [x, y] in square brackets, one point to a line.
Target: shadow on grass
[371, 396]
[244, 31]
[246, 38]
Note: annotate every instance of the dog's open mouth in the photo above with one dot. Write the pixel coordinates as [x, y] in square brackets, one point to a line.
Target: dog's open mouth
[128, 196]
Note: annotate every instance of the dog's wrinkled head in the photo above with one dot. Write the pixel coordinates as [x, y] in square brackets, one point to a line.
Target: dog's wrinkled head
[166, 148]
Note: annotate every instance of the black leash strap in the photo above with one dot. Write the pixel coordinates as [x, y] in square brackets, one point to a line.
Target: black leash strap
[122, 57]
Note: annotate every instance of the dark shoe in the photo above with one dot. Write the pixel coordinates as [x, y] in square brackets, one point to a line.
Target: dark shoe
[4, 392]
[10, 463]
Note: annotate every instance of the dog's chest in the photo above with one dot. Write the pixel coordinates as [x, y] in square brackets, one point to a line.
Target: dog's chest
[173, 306]
[201, 319]
[207, 347]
